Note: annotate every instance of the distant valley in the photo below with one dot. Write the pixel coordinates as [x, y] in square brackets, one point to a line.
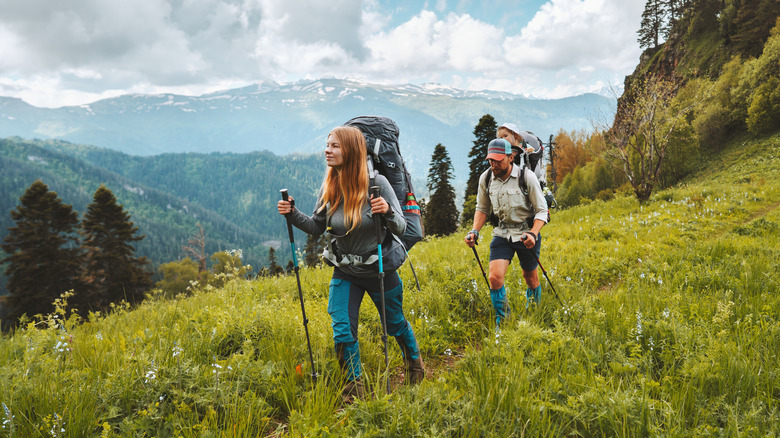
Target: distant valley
[295, 118]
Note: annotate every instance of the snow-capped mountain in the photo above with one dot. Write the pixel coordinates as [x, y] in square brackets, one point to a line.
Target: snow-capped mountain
[295, 118]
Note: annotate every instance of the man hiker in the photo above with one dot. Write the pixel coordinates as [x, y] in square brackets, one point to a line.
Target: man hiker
[522, 212]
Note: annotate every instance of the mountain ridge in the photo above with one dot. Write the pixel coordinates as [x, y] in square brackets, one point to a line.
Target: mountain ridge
[295, 118]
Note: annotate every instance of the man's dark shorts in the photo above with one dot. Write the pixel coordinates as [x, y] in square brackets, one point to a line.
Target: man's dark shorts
[503, 249]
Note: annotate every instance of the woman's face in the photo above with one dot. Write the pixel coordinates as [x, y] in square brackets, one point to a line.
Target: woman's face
[333, 156]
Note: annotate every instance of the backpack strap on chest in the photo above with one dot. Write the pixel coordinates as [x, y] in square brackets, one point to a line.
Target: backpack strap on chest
[520, 181]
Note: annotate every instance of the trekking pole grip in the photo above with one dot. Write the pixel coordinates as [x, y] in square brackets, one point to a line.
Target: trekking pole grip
[286, 197]
[375, 193]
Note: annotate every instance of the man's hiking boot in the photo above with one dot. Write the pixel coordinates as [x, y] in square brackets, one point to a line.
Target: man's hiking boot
[354, 389]
[415, 370]
[533, 296]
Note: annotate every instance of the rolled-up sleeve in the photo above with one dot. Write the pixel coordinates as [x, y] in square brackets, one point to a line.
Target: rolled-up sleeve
[483, 199]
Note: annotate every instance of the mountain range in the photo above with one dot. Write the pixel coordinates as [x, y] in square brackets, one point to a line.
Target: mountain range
[295, 118]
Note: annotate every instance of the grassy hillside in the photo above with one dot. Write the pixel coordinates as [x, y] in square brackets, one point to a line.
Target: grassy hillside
[671, 327]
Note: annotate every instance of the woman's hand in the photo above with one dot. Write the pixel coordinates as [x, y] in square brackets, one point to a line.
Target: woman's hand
[284, 207]
[379, 205]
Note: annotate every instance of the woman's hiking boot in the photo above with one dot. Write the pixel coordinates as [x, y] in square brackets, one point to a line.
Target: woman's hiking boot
[354, 389]
[415, 370]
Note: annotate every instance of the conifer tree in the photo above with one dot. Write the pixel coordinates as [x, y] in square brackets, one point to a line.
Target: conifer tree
[653, 19]
[441, 216]
[752, 25]
[197, 248]
[314, 246]
[483, 132]
[111, 270]
[43, 253]
[273, 266]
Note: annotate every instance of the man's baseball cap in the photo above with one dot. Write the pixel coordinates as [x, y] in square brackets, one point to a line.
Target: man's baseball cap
[512, 127]
[498, 149]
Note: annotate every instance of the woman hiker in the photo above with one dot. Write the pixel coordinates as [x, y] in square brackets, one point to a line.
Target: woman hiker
[345, 210]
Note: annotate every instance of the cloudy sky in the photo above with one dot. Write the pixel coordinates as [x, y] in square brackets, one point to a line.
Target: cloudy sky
[70, 52]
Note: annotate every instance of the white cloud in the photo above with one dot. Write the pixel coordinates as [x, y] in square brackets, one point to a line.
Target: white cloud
[565, 33]
[426, 45]
[54, 52]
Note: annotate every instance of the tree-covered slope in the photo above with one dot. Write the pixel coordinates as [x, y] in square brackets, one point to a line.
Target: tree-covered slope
[231, 195]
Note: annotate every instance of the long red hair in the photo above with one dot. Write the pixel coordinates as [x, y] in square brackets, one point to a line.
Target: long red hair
[348, 183]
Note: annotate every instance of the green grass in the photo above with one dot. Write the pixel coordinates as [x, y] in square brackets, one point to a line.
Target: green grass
[671, 327]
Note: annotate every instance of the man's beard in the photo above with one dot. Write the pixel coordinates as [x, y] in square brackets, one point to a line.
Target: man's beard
[502, 173]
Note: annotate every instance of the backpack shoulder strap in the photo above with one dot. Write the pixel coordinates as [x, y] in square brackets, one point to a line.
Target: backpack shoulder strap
[371, 172]
[488, 180]
[521, 180]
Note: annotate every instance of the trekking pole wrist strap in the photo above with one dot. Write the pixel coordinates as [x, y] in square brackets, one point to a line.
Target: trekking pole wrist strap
[475, 233]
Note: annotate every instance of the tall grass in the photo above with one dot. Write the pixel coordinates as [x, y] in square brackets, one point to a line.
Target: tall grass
[670, 327]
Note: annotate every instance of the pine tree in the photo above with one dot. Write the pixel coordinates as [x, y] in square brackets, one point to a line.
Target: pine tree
[441, 216]
[314, 246]
[483, 132]
[753, 23]
[273, 266]
[44, 258]
[112, 271]
[197, 248]
[653, 19]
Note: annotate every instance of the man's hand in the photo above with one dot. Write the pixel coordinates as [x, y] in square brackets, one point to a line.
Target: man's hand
[528, 239]
[472, 238]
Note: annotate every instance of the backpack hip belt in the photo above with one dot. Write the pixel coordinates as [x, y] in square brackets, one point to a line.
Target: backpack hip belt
[507, 226]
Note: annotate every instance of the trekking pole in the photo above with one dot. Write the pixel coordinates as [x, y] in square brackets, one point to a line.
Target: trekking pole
[545, 273]
[413, 273]
[474, 248]
[285, 197]
[378, 225]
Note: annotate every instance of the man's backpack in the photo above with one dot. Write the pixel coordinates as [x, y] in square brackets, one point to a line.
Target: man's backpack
[384, 156]
[534, 160]
[523, 188]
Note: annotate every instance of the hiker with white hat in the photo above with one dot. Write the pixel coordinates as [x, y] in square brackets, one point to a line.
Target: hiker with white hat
[528, 142]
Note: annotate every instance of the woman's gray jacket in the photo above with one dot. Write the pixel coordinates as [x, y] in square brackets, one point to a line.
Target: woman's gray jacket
[355, 253]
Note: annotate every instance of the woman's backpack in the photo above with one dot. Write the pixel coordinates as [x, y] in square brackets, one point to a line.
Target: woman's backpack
[384, 156]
